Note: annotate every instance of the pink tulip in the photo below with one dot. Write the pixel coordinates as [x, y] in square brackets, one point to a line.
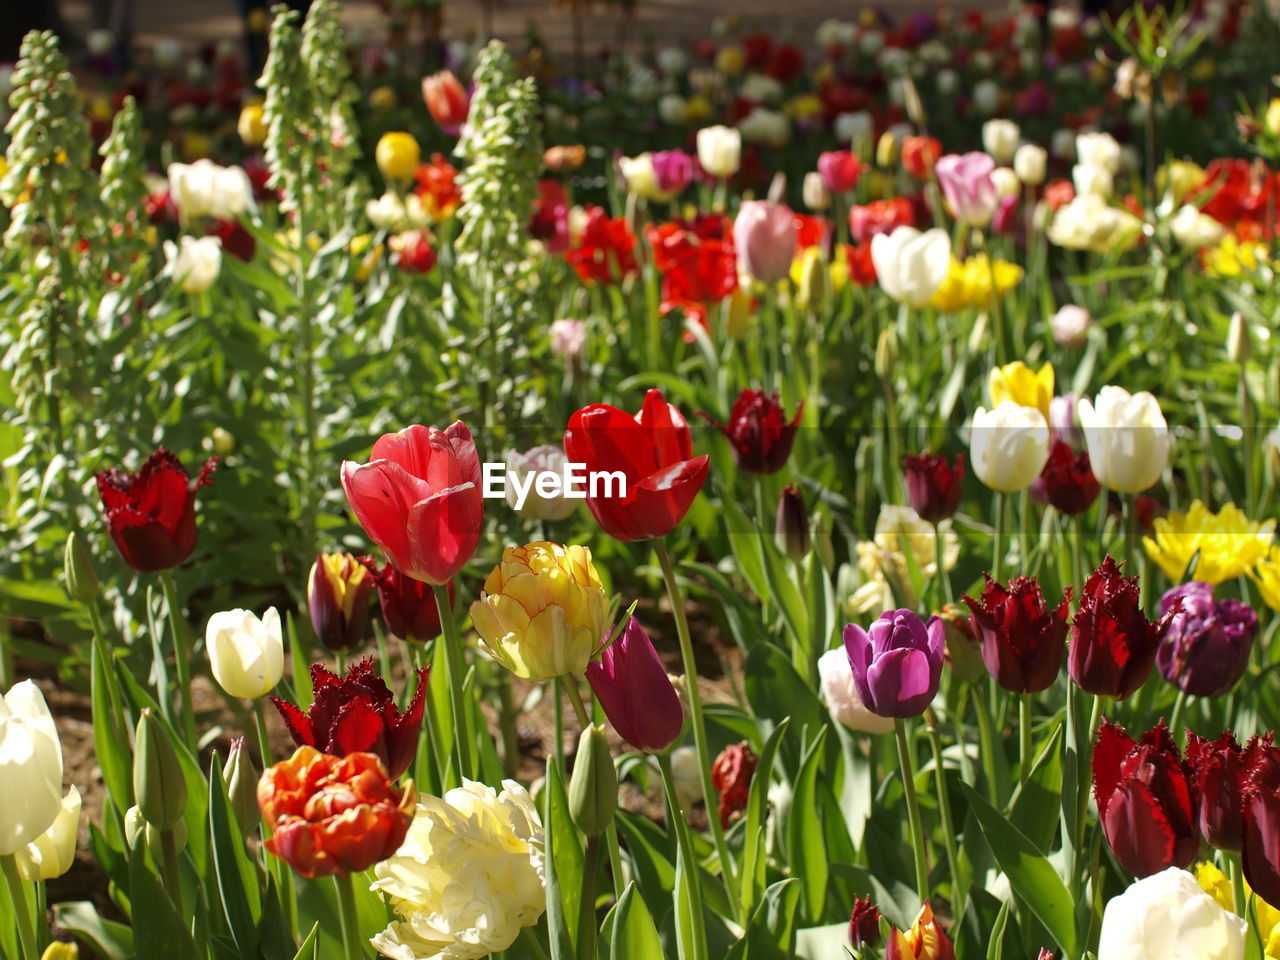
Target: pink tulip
[840, 170]
[672, 170]
[764, 236]
[966, 181]
[633, 688]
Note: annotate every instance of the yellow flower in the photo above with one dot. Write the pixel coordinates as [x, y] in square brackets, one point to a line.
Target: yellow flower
[382, 98]
[1271, 119]
[1016, 382]
[804, 107]
[738, 318]
[1179, 177]
[61, 951]
[697, 108]
[397, 155]
[252, 125]
[730, 61]
[1215, 883]
[1267, 576]
[543, 611]
[367, 252]
[1229, 543]
[971, 283]
[1231, 258]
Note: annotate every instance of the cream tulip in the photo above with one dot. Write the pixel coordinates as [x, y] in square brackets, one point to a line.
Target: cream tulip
[30, 767]
[247, 654]
[1167, 916]
[719, 150]
[911, 265]
[1000, 139]
[205, 188]
[51, 854]
[1008, 446]
[836, 677]
[193, 262]
[1127, 438]
[1030, 164]
[1099, 150]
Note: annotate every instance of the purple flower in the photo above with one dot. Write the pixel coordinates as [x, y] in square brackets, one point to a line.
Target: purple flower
[672, 170]
[965, 179]
[897, 663]
[1205, 645]
[632, 686]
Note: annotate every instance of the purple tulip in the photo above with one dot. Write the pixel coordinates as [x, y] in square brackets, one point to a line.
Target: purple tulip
[764, 236]
[897, 663]
[1205, 646]
[672, 170]
[632, 686]
[965, 179]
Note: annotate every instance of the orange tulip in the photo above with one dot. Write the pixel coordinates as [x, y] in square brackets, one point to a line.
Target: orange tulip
[446, 99]
[924, 941]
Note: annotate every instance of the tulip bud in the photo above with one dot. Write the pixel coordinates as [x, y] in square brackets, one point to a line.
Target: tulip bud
[224, 441]
[864, 924]
[82, 580]
[158, 783]
[1029, 163]
[338, 598]
[687, 776]
[815, 193]
[137, 830]
[61, 951]
[252, 126]
[1239, 343]
[1271, 119]
[813, 279]
[886, 353]
[963, 652]
[886, 149]
[242, 786]
[791, 525]
[593, 787]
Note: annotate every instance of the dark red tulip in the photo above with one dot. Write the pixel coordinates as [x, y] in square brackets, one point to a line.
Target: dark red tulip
[408, 606]
[1204, 642]
[731, 776]
[152, 514]
[1068, 482]
[632, 686]
[1217, 769]
[1022, 639]
[934, 484]
[759, 431]
[1146, 800]
[338, 600]
[864, 924]
[357, 714]
[1261, 821]
[791, 525]
[1113, 644]
[653, 451]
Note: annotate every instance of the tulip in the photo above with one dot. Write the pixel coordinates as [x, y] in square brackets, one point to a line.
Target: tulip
[920, 155]
[1000, 139]
[419, 499]
[333, 816]
[59, 950]
[719, 150]
[51, 854]
[672, 170]
[338, 591]
[1260, 815]
[77, 568]
[1029, 163]
[152, 514]
[1224, 545]
[158, 782]
[1008, 446]
[652, 451]
[864, 924]
[815, 193]
[1022, 639]
[543, 611]
[1218, 768]
[764, 238]
[593, 786]
[841, 695]
[759, 432]
[1016, 382]
[639, 178]
[1146, 803]
[397, 156]
[840, 170]
[408, 606]
[731, 777]
[242, 786]
[1069, 325]
[1067, 482]
[246, 654]
[966, 182]
[568, 337]
[897, 663]
[1007, 188]
[1098, 150]
[1088, 222]
[934, 484]
[30, 767]
[193, 262]
[251, 125]
[632, 686]
[1113, 645]
[925, 940]
[446, 100]
[911, 265]
[766, 127]
[791, 525]
[205, 189]
[1167, 916]
[526, 467]
[1204, 643]
[357, 713]
[1194, 229]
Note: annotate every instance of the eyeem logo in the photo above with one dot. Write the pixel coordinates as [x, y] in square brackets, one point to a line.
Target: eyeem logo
[573, 482]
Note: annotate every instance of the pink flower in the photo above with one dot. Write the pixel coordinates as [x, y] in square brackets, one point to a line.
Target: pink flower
[633, 688]
[764, 236]
[568, 338]
[966, 181]
[840, 170]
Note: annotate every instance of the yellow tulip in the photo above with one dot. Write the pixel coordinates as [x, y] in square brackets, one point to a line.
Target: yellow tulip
[1016, 382]
[1228, 542]
[1267, 576]
[252, 125]
[398, 155]
[730, 61]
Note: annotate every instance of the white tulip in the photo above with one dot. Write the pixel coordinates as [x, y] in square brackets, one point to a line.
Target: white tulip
[1194, 229]
[765, 126]
[719, 150]
[51, 854]
[760, 88]
[639, 178]
[986, 97]
[193, 262]
[539, 502]
[853, 128]
[1070, 324]
[1127, 438]
[1089, 178]
[1000, 139]
[1063, 144]
[815, 193]
[911, 265]
[1008, 446]
[30, 767]
[247, 654]
[841, 696]
[1166, 916]
[205, 189]
[1090, 223]
[674, 110]
[1029, 163]
[1006, 182]
[1099, 150]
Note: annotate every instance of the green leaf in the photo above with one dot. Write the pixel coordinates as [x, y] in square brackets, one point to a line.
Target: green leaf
[110, 736]
[634, 935]
[806, 846]
[308, 949]
[236, 878]
[561, 841]
[159, 933]
[753, 851]
[995, 949]
[1036, 805]
[1031, 875]
[110, 940]
[691, 935]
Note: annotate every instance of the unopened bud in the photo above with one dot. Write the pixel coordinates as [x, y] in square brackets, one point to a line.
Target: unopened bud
[962, 651]
[815, 193]
[791, 526]
[886, 353]
[77, 566]
[813, 279]
[158, 783]
[242, 786]
[137, 830]
[1239, 344]
[887, 149]
[61, 951]
[593, 787]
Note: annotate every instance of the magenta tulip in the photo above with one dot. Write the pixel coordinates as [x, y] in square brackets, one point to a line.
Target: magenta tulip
[633, 688]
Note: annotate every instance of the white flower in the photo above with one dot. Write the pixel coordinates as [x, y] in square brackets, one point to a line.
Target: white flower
[835, 33]
[1029, 163]
[1006, 182]
[468, 877]
[948, 81]
[391, 212]
[760, 88]
[765, 126]
[568, 336]
[51, 854]
[1063, 144]
[1000, 139]
[247, 654]
[1069, 325]
[673, 109]
[871, 43]
[1098, 149]
[643, 85]
[854, 127]
[1088, 222]
[638, 175]
[986, 97]
[1166, 916]
[1093, 179]
[30, 767]
[815, 193]
[1194, 229]
[205, 189]
[193, 262]
[911, 265]
[672, 61]
[883, 563]
[687, 776]
[719, 150]
[1127, 438]
[841, 697]
[527, 466]
[1008, 446]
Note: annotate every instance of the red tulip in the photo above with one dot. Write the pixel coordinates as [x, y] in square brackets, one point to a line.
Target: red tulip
[919, 155]
[446, 99]
[1068, 482]
[408, 606]
[152, 514]
[632, 686]
[338, 600]
[934, 484]
[419, 499]
[731, 776]
[759, 431]
[1113, 645]
[653, 451]
[333, 815]
[1021, 638]
[864, 923]
[924, 940]
[840, 170]
[357, 714]
[1146, 801]
[1217, 769]
[1261, 821]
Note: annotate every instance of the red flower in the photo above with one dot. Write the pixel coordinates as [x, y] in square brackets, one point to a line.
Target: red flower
[333, 815]
[1059, 193]
[880, 216]
[446, 100]
[758, 431]
[697, 261]
[419, 499]
[549, 221]
[438, 187]
[1113, 645]
[236, 240]
[338, 599]
[413, 251]
[1021, 637]
[864, 923]
[152, 514]
[840, 170]
[862, 269]
[653, 451]
[919, 154]
[731, 775]
[632, 686]
[1260, 787]
[1218, 768]
[1068, 482]
[357, 714]
[408, 606]
[605, 253]
[934, 484]
[785, 63]
[1146, 801]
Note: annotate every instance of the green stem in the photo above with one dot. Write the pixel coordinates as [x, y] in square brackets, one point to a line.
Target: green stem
[939, 559]
[615, 860]
[260, 731]
[181, 655]
[1179, 707]
[453, 669]
[986, 744]
[6, 656]
[1239, 900]
[679, 826]
[944, 808]
[913, 809]
[997, 549]
[169, 850]
[507, 727]
[308, 352]
[575, 697]
[352, 948]
[18, 894]
[587, 905]
[1024, 738]
[695, 716]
